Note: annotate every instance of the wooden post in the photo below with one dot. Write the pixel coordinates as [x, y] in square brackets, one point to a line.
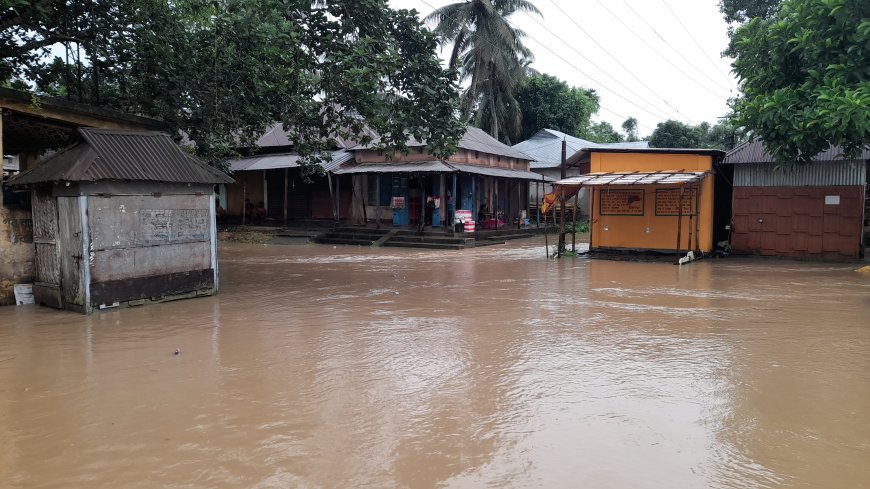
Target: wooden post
[378, 201]
[561, 246]
[679, 223]
[244, 196]
[591, 215]
[574, 215]
[538, 203]
[332, 197]
[286, 194]
[2, 158]
[546, 240]
[422, 203]
[338, 200]
[698, 219]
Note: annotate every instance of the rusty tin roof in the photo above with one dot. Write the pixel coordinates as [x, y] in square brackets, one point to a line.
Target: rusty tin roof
[117, 154]
[755, 152]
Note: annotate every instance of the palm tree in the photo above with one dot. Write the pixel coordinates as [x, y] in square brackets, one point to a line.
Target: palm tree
[489, 51]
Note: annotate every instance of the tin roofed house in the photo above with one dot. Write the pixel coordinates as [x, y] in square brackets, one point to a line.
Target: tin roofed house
[122, 218]
[818, 210]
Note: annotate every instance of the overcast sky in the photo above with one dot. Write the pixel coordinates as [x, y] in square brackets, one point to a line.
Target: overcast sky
[649, 59]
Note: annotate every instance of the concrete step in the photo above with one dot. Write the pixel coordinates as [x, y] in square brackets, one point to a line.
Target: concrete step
[360, 230]
[429, 239]
[367, 237]
[426, 245]
[515, 236]
[487, 242]
[343, 241]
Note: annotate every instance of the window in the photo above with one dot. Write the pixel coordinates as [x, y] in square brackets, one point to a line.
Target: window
[386, 190]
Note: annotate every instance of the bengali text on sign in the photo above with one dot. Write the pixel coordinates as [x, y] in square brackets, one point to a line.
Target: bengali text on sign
[668, 202]
[621, 202]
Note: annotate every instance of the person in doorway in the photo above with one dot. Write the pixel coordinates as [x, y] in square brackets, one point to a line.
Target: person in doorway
[451, 207]
[259, 213]
[430, 209]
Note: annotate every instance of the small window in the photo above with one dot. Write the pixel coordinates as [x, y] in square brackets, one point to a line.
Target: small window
[372, 190]
[477, 154]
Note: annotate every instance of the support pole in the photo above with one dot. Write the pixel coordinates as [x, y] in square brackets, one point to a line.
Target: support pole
[422, 203]
[538, 204]
[561, 246]
[698, 219]
[337, 200]
[452, 214]
[286, 194]
[244, 196]
[332, 197]
[546, 240]
[591, 215]
[378, 201]
[679, 223]
[574, 215]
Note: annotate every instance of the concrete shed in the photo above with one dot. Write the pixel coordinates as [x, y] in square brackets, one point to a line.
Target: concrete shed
[122, 218]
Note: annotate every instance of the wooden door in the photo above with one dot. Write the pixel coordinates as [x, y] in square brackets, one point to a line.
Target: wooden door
[46, 289]
[71, 251]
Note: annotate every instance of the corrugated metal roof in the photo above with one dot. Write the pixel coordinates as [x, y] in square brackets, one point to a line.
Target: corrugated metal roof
[440, 167]
[500, 172]
[285, 160]
[634, 178]
[115, 154]
[474, 139]
[418, 167]
[545, 146]
[755, 152]
[277, 136]
[816, 174]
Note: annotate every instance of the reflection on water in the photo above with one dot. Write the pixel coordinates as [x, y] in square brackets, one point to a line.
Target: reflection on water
[347, 367]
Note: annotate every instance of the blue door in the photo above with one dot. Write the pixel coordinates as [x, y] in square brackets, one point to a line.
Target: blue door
[401, 216]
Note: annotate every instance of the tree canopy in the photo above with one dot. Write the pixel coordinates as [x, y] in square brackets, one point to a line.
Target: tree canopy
[602, 132]
[547, 102]
[675, 134]
[223, 71]
[805, 77]
[489, 52]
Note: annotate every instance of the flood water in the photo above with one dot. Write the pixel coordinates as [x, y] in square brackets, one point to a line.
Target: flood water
[349, 367]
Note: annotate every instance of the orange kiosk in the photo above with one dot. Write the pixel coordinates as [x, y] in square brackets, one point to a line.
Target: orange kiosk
[647, 199]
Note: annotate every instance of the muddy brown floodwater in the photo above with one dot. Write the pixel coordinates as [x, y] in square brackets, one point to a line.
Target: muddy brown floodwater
[348, 367]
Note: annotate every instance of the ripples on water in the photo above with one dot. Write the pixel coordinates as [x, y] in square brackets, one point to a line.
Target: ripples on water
[347, 367]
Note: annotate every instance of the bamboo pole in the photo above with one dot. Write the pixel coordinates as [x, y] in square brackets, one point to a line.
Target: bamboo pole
[378, 201]
[546, 240]
[679, 223]
[574, 215]
[286, 194]
[591, 215]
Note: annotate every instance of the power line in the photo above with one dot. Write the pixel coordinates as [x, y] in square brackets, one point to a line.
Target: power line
[642, 19]
[656, 51]
[674, 14]
[630, 72]
[579, 71]
[599, 68]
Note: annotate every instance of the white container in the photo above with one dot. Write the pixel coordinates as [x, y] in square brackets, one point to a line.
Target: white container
[23, 294]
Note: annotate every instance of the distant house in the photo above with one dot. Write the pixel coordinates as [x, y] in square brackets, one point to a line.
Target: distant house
[273, 176]
[819, 210]
[483, 173]
[545, 146]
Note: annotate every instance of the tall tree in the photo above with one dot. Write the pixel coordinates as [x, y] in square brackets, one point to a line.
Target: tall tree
[547, 102]
[675, 134]
[490, 54]
[602, 132]
[222, 71]
[805, 78]
[630, 128]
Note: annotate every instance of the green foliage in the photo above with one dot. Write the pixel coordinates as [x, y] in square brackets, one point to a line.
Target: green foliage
[489, 52]
[223, 71]
[547, 102]
[581, 227]
[805, 75]
[675, 134]
[602, 132]
[630, 128]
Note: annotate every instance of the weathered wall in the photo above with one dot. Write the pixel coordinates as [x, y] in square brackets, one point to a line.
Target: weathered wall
[16, 251]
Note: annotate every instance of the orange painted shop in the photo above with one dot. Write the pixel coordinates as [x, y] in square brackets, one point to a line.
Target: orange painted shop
[652, 199]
